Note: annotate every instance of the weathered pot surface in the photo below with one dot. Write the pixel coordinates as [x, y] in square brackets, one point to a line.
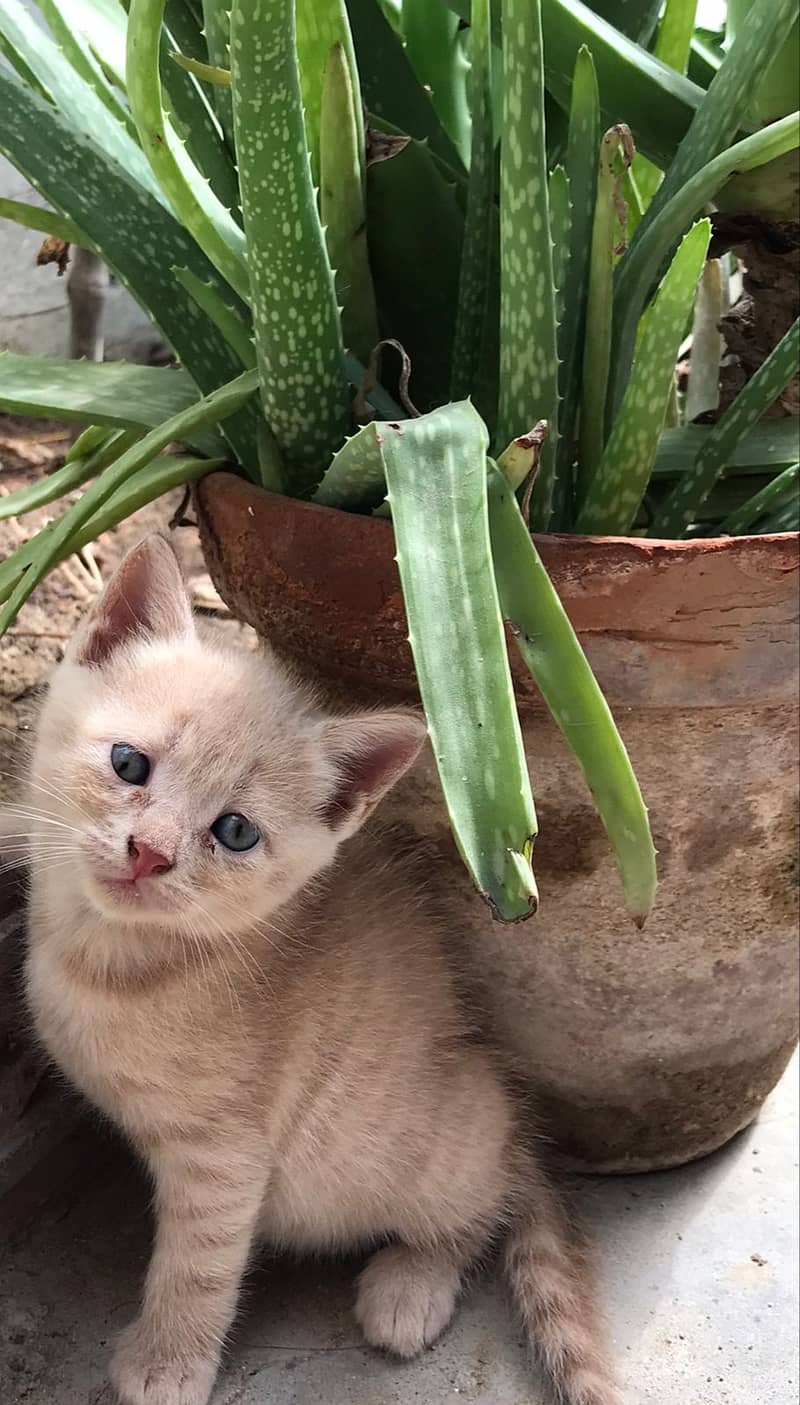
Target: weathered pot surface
[649, 1048]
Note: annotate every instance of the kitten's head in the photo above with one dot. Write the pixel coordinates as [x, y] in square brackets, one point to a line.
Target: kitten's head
[183, 783]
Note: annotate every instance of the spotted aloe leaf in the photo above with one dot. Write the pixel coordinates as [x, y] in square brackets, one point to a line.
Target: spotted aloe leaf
[473, 290]
[528, 351]
[298, 334]
[771, 498]
[615, 491]
[760, 393]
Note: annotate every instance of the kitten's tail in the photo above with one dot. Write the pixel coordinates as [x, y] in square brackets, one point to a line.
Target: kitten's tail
[550, 1272]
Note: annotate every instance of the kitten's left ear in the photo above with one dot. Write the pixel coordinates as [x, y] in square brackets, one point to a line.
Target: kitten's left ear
[145, 598]
[370, 753]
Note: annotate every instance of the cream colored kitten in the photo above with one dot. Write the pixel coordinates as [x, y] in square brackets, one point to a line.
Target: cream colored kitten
[275, 1022]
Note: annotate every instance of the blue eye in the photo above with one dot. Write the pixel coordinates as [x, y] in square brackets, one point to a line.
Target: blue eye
[235, 832]
[130, 765]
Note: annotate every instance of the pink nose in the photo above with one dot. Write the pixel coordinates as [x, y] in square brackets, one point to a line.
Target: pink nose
[145, 862]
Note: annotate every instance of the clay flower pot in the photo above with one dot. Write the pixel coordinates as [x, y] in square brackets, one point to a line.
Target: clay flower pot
[651, 1047]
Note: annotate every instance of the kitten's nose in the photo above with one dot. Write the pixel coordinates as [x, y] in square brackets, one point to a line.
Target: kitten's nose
[145, 862]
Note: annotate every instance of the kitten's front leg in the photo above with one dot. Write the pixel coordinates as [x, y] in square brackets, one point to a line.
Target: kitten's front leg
[206, 1217]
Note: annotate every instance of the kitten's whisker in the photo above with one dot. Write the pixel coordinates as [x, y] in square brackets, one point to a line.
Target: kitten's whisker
[39, 816]
[49, 791]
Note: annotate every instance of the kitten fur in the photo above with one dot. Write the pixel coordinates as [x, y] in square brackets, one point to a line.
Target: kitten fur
[281, 1033]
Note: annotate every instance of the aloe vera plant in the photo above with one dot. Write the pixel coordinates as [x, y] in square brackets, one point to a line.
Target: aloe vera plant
[288, 185]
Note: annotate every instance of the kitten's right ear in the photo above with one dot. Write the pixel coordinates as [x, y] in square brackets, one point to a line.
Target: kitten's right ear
[145, 598]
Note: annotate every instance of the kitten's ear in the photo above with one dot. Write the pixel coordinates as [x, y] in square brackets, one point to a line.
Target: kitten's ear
[145, 598]
[370, 753]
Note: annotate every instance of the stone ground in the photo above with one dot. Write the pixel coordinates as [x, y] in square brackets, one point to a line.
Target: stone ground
[700, 1264]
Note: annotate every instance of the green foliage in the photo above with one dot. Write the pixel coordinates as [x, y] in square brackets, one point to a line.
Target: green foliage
[282, 187]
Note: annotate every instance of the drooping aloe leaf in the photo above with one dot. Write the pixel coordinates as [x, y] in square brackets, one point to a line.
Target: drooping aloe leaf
[213, 408]
[616, 154]
[320, 25]
[760, 393]
[71, 475]
[548, 644]
[47, 221]
[198, 209]
[436, 473]
[341, 204]
[724, 107]
[767, 500]
[102, 393]
[415, 227]
[389, 85]
[639, 268]
[160, 476]
[528, 351]
[581, 168]
[76, 100]
[614, 493]
[217, 27]
[133, 233]
[295, 314]
[434, 45]
[473, 288]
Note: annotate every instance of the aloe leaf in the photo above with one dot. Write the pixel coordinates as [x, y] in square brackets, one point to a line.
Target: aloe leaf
[436, 473]
[581, 167]
[195, 205]
[614, 493]
[760, 393]
[636, 19]
[708, 344]
[558, 195]
[108, 393]
[784, 519]
[639, 268]
[320, 25]
[89, 440]
[34, 217]
[206, 72]
[548, 644]
[767, 447]
[659, 104]
[341, 201]
[75, 100]
[672, 46]
[724, 107]
[213, 408]
[616, 154]
[354, 480]
[217, 30]
[74, 48]
[160, 476]
[132, 232]
[415, 227]
[470, 327]
[528, 351]
[389, 86]
[197, 137]
[767, 500]
[237, 331]
[73, 474]
[101, 26]
[433, 42]
[295, 314]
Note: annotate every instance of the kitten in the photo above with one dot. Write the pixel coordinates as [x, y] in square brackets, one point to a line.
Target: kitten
[276, 1025]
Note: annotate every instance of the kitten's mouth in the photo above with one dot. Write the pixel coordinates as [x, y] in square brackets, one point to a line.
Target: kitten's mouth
[124, 895]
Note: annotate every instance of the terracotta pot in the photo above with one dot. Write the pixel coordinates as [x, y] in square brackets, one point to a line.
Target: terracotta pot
[650, 1048]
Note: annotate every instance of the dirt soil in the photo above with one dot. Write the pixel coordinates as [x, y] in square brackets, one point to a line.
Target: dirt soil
[29, 450]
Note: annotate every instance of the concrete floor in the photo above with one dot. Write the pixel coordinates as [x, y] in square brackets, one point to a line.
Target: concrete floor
[700, 1268]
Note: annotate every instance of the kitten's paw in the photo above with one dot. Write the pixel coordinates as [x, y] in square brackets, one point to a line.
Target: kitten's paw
[406, 1299]
[141, 1376]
